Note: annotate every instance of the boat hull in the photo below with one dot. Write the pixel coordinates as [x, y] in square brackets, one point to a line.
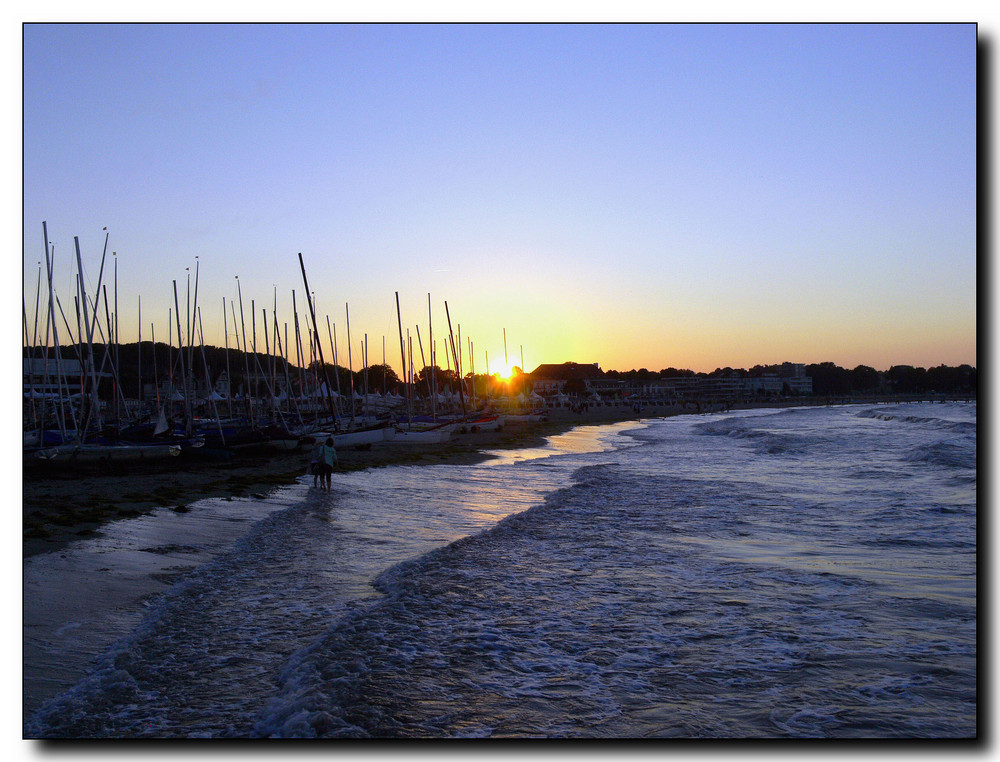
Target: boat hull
[439, 435]
[362, 438]
[95, 453]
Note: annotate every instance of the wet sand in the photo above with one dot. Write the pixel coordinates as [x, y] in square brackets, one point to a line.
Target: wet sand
[64, 505]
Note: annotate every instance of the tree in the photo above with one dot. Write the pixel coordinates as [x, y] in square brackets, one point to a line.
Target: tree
[905, 379]
[381, 377]
[829, 379]
[864, 379]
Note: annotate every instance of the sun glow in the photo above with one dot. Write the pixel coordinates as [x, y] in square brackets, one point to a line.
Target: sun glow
[504, 372]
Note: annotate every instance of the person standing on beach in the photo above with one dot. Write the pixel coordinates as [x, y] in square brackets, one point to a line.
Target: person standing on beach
[325, 457]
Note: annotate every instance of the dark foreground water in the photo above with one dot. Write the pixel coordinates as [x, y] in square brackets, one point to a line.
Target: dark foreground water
[800, 573]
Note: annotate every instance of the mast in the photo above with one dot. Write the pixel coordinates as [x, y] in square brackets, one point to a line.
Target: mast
[365, 362]
[184, 377]
[246, 359]
[180, 352]
[140, 352]
[267, 350]
[409, 378]
[32, 346]
[156, 375]
[170, 361]
[350, 363]
[423, 360]
[100, 280]
[117, 362]
[461, 392]
[229, 376]
[312, 312]
[430, 348]
[193, 315]
[253, 346]
[332, 335]
[90, 337]
[283, 349]
[274, 357]
[76, 346]
[28, 345]
[55, 334]
[299, 355]
[108, 351]
[472, 370]
[402, 350]
[208, 380]
[44, 357]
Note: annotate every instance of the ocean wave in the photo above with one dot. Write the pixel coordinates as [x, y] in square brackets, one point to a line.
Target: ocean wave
[937, 422]
[213, 634]
[947, 454]
[764, 441]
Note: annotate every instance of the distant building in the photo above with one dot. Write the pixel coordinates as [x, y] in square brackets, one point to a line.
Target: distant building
[551, 378]
[792, 379]
[43, 375]
[765, 386]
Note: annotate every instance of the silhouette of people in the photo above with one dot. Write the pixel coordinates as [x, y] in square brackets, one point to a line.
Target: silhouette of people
[324, 459]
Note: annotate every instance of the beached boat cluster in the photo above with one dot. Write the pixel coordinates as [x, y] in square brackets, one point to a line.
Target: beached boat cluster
[75, 408]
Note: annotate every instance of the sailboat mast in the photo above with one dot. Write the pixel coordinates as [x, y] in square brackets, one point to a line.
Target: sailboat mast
[208, 381]
[332, 334]
[117, 341]
[55, 331]
[350, 362]
[312, 312]
[180, 350]
[229, 376]
[423, 360]
[365, 363]
[402, 350]
[90, 336]
[156, 375]
[299, 354]
[246, 359]
[461, 392]
[430, 348]
[140, 351]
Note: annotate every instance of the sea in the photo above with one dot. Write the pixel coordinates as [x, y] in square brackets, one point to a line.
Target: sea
[803, 572]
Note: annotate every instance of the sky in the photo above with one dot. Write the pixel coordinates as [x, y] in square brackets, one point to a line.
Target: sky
[639, 196]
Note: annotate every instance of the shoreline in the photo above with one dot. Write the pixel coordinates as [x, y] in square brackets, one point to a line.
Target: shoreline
[59, 508]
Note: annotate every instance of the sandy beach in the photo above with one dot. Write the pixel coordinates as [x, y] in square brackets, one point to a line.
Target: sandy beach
[60, 506]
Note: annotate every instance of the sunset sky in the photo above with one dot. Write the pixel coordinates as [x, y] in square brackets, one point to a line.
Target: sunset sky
[695, 196]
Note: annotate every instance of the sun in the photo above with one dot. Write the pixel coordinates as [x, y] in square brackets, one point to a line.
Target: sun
[505, 373]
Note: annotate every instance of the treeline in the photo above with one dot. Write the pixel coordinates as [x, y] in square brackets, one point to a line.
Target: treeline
[252, 372]
[830, 379]
[249, 371]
